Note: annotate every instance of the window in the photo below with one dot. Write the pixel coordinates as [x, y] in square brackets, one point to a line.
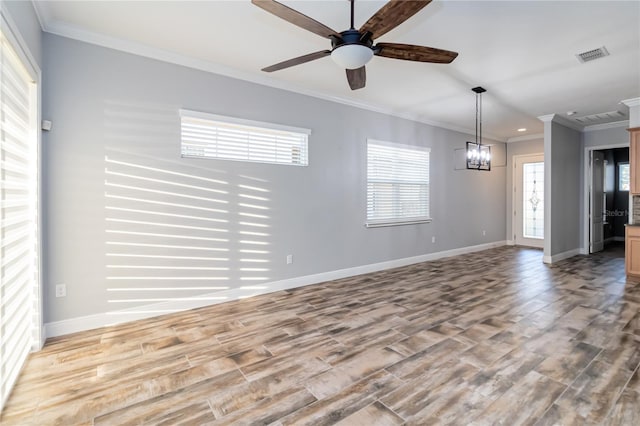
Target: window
[19, 285]
[623, 177]
[225, 138]
[397, 184]
[533, 209]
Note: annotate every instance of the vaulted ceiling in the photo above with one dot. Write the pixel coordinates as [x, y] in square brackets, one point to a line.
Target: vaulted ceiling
[522, 52]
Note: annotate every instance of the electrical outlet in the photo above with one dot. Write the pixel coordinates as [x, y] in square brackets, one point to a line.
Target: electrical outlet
[61, 290]
[289, 259]
[433, 239]
[484, 233]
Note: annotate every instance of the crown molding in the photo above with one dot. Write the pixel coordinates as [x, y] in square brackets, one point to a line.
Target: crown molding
[633, 102]
[603, 126]
[73, 32]
[526, 138]
[546, 118]
[568, 123]
[43, 13]
[557, 118]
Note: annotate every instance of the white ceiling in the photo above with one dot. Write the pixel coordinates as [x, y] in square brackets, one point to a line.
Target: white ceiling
[522, 52]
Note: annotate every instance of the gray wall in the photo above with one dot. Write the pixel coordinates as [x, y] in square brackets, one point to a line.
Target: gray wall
[605, 137]
[115, 121]
[563, 171]
[535, 146]
[25, 18]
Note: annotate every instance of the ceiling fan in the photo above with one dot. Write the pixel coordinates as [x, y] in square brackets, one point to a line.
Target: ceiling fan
[352, 49]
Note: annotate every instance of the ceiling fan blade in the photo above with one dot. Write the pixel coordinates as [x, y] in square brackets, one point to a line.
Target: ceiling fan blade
[409, 52]
[392, 14]
[297, 61]
[295, 17]
[357, 78]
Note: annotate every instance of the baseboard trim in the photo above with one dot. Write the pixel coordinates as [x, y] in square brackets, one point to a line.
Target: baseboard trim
[614, 239]
[88, 322]
[561, 256]
[510, 243]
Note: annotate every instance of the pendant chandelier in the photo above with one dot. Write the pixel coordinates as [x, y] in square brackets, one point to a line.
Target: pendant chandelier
[478, 155]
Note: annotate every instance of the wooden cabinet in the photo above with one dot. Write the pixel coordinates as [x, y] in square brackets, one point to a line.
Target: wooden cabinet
[632, 252]
[634, 159]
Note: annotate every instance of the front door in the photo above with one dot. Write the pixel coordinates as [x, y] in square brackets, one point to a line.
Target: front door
[528, 197]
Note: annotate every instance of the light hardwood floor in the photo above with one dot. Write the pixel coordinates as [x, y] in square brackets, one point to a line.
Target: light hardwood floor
[494, 337]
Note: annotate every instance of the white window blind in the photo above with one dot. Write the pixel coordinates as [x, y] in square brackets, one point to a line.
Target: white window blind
[18, 215]
[226, 138]
[397, 184]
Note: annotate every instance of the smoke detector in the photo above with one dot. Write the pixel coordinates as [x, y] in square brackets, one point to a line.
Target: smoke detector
[591, 55]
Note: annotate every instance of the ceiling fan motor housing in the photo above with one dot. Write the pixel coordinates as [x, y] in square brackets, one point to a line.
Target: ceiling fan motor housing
[352, 50]
[352, 36]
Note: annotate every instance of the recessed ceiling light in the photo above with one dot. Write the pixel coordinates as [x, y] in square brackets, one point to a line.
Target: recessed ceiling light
[522, 129]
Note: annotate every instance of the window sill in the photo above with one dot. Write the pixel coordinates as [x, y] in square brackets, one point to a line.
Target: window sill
[396, 223]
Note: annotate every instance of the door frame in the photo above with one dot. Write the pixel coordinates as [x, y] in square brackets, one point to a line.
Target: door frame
[512, 189]
[592, 202]
[586, 207]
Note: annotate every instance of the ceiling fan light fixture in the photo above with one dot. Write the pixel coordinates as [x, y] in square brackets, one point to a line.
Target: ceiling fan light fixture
[352, 56]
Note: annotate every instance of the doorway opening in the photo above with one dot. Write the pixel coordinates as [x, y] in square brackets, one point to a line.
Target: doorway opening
[608, 200]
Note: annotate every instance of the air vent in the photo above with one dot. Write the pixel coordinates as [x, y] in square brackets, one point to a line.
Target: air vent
[602, 117]
[594, 54]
